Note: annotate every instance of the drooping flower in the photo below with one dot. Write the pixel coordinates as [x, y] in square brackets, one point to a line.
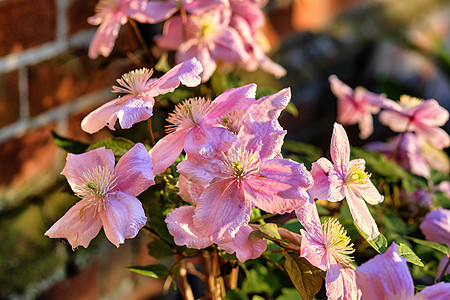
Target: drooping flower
[386, 276]
[201, 126]
[328, 247]
[436, 226]
[421, 116]
[345, 178]
[207, 36]
[108, 195]
[356, 107]
[139, 89]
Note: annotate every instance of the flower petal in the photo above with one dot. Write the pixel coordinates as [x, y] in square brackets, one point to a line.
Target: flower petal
[440, 290]
[245, 249]
[105, 37]
[361, 214]
[154, 12]
[105, 115]
[327, 182]
[340, 148]
[167, 150]
[208, 140]
[368, 192]
[340, 283]
[189, 191]
[269, 107]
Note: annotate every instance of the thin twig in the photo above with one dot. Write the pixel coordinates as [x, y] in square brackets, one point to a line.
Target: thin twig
[141, 41]
[185, 287]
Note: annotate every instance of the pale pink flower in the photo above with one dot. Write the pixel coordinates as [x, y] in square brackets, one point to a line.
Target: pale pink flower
[108, 195]
[386, 276]
[421, 116]
[328, 247]
[207, 36]
[356, 107]
[201, 126]
[436, 226]
[345, 178]
[139, 89]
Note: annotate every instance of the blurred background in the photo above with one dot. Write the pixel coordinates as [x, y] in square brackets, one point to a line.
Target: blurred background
[48, 83]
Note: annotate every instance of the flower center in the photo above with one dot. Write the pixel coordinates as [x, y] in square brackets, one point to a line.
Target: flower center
[239, 163]
[357, 175]
[232, 120]
[134, 82]
[188, 113]
[98, 182]
[336, 240]
[206, 25]
[103, 7]
[408, 102]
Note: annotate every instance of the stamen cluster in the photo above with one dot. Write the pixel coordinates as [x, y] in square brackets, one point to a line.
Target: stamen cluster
[134, 82]
[239, 163]
[188, 113]
[336, 240]
[98, 182]
[357, 175]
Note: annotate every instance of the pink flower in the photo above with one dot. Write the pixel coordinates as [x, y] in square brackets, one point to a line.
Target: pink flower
[356, 107]
[386, 276]
[201, 126]
[327, 248]
[137, 103]
[207, 37]
[108, 196]
[422, 117]
[436, 226]
[345, 178]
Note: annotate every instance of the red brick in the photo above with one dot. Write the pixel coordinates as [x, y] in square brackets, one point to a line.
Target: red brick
[77, 14]
[9, 98]
[25, 24]
[75, 132]
[25, 158]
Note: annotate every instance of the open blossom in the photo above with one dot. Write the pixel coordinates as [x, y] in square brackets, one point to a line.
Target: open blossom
[207, 36]
[421, 116]
[108, 195]
[355, 107]
[139, 91]
[328, 247]
[386, 276]
[202, 126]
[345, 178]
[436, 226]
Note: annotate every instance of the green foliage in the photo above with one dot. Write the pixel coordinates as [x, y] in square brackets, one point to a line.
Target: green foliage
[236, 294]
[410, 256]
[159, 249]
[439, 247]
[311, 152]
[379, 243]
[69, 145]
[155, 271]
[288, 294]
[260, 280]
[118, 145]
[306, 278]
[222, 82]
[267, 231]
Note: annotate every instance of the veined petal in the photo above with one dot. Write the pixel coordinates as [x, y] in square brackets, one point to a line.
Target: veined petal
[181, 227]
[199, 169]
[135, 171]
[361, 214]
[229, 47]
[368, 192]
[105, 115]
[134, 110]
[313, 250]
[340, 148]
[245, 249]
[172, 36]
[189, 191]
[190, 49]
[327, 182]
[122, 218]
[222, 209]
[167, 150]
[207, 141]
[340, 283]
[154, 12]
[105, 37]
[79, 225]
[435, 135]
[269, 107]
[309, 218]
[440, 290]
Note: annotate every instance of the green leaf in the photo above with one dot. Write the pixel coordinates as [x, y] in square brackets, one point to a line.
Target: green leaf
[439, 247]
[259, 280]
[379, 163]
[236, 295]
[379, 243]
[292, 109]
[288, 294]
[163, 63]
[267, 231]
[159, 249]
[155, 271]
[445, 278]
[69, 145]
[410, 256]
[313, 153]
[119, 145]
[306, 278]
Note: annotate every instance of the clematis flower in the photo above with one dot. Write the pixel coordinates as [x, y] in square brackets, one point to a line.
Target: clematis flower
[356, 107]
[345, 178]
[436, 226]
[108, 195]
[421, 116]
[207, 36]
[327, 248]
[386, 276]
[139, 89]
[201, 126]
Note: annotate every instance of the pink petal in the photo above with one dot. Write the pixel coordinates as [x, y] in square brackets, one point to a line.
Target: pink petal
[368, 192]
[347, 112]
[190, 49]
[361, 214]
[396, 121]
[309, 218]
[154, 12]
[340, 283]
[269, 107]
[313, 250]
[189, 191]
[386, 276]
[78, 164]
[199, 169]
[340, 148]
[245, 249]
[181, 227]
[135, 171]
[436, 136]
[105, 115]
[167, 150]
[202, 6]
[430, 113]
[327, 182]
[222, 209]
[105, 37]
[79, 225]
[436, 226]
[438, 291]
[365, 125]
[172, 36]
[122, 218]
[229, 47]
[279, 186]
[134, 110]
[340, 89]
[208, 140]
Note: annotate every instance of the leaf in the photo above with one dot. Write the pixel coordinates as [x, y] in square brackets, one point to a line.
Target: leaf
[119, 145]
[260, 280]
[439, 247]
[236, 295]
[163, 63]
[155, 271]
[69, 145]
[410, 256]
[445, 278]
[306, 278]
[288, 294]
[313, 153]
[159, 249]
[267, 231]
[292, 109]
[379, 243]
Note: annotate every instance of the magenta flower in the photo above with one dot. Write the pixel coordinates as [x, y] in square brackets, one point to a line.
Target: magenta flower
[139, 89]
[108, 196]
[345, 178]
[436, 226]
[422, 117]
[207, 36]
[356, 107]
[327, 248]
[386, 276]
[201, 126]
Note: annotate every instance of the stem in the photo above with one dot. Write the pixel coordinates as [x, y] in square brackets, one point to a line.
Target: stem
[150, 129]
[294, 239]
[141, 41]
[219, 285]
[184, 22]
[445, 269]
[185, 287]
